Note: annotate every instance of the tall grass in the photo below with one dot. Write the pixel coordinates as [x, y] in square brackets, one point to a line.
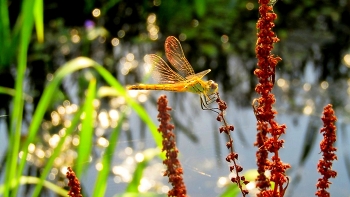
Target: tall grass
[86, 132]
[26, 21]
[14, 45]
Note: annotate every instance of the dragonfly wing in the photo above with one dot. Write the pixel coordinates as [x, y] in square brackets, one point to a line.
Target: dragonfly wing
[176, 56]
[199, 75]
[161, 71]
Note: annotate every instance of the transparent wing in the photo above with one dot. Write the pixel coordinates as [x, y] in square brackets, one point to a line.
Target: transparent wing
[161, 72]
[176, 57]
[199, 75]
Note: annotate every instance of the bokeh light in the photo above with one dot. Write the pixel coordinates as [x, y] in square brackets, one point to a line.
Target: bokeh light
[96, 12]
[249, 6]
[347, 60]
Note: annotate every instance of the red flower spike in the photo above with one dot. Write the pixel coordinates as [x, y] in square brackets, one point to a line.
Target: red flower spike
[235, 180]
[245, 192]
[239, 168]
[269, 131]
[232, 156]
[324, 166]
[73, 183]
[231, 128]
[235, 155]
[232, 168]
[228, 145]
[174, 170]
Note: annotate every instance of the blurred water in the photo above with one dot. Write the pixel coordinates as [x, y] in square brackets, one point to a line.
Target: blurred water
[202, 156]
[202, 148]
[204, 161]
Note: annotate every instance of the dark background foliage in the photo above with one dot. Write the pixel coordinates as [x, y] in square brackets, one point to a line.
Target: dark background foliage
[311, 31]
[219, 35]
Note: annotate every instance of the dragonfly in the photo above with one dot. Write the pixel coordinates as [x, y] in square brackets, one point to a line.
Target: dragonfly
[180, 79]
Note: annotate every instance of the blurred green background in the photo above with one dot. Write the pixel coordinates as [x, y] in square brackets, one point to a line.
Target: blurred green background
[51, 104]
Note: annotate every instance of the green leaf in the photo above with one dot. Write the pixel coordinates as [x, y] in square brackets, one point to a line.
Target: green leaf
[148, 194]
[49, 93]
[57, 151]
[5, 39]
[102, 176]
[35, 180]
[39, 19]
[108, 5]
[141, 166]
[231, 190]
[200, 7]
[45, 101]
[12, 172]
[12, 92]
[87, 129]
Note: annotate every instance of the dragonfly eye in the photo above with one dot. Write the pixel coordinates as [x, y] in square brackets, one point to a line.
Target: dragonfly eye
[213, 86]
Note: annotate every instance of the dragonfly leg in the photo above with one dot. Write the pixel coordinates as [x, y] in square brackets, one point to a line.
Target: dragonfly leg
[206, 100]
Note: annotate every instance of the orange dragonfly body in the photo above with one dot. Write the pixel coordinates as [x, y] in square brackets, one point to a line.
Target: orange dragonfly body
[184, 80]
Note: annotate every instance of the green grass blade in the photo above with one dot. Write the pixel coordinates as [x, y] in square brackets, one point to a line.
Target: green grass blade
[87, 129]
[12, 92]
[231, 190]
[137, 175]
[57, 152]
[17, 112]
[132, 103]
[49, 93]
[35, 180]
[5, 39]
[147, 194]
[39, 19]
[108, 5]
[140, 167]
[15, 40]
[45, 101]
[102, 176]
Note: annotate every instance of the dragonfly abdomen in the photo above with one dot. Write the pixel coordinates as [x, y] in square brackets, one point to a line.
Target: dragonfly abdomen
[167, 87]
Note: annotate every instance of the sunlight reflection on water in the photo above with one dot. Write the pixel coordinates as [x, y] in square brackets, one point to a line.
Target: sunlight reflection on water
[204, 162]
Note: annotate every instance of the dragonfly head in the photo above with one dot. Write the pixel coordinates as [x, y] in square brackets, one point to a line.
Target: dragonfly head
[212, 87]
